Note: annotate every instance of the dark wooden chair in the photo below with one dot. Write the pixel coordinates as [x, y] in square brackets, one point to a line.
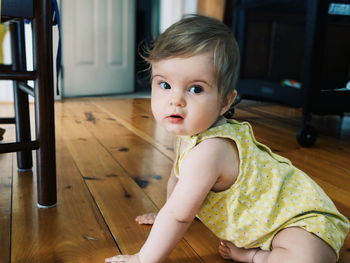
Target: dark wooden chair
[40, 13]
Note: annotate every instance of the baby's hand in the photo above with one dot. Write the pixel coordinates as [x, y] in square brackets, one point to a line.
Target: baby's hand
[123, 258]
[146, 219]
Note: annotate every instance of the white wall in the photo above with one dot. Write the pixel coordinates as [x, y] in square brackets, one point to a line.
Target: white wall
[173, 10]
[6, 88]
[6, 93]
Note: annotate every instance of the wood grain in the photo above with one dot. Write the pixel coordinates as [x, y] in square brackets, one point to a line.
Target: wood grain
[6, 170]
[74, 231]
[133, 117]
[150, 173]
[113, 162]
[118, 196]
[7, 162]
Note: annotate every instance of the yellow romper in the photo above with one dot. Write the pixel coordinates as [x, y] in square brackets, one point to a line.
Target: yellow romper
[269, 194]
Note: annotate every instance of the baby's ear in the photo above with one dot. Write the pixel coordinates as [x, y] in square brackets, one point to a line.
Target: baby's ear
[228, 101]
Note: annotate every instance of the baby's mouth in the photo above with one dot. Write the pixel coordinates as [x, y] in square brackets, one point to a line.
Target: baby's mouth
[175, 118]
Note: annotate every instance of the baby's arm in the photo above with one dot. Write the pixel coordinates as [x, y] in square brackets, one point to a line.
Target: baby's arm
[198, 174]
[148, 219]
[204, 166]
[172, 181]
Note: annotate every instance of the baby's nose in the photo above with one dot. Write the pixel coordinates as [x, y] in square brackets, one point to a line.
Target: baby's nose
[177, 99]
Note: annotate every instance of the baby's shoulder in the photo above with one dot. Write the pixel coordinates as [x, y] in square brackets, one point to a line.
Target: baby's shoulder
[214, 144]
[219, 157]
[215, 149]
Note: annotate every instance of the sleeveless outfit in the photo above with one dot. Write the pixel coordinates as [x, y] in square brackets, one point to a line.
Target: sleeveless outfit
[269, 194]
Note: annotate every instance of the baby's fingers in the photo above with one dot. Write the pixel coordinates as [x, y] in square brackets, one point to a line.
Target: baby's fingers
[146, 219]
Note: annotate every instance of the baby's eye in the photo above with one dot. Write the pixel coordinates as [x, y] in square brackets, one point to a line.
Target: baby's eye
[196, 89]
[164, 85]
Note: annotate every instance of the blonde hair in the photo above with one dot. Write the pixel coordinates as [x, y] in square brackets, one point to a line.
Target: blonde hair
[196, 34]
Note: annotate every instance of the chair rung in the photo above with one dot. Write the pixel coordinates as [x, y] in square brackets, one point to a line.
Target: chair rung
[7, 120]
[18, 146]
[26, 88]
[18, 75]
[5, 67]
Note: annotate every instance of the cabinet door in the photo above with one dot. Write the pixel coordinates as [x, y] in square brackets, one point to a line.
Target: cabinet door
[274, 46]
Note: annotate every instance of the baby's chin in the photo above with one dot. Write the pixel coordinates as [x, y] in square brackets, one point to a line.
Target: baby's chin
[183, 133]
[178, 132]
[181, 129]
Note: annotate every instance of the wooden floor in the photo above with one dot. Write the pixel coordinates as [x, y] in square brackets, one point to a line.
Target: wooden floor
[112, 165]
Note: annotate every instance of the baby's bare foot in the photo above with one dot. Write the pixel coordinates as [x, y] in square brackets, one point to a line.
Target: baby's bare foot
[146, 219]
[228, 250]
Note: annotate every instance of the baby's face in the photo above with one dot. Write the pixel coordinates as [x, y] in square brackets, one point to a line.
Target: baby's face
[185, 98]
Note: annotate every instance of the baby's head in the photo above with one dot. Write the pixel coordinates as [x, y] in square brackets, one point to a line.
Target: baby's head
[196, 34]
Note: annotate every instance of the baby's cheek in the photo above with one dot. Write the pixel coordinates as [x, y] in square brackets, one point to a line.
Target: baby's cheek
[154, 109]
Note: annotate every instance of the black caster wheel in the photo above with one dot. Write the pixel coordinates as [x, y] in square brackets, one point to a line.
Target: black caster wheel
[306, 136]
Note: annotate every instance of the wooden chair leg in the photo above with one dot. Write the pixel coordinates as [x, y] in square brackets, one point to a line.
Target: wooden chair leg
[44, 106]
[24, 159]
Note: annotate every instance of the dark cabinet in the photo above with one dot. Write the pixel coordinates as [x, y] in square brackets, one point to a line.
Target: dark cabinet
[307, 41]
[274, 48]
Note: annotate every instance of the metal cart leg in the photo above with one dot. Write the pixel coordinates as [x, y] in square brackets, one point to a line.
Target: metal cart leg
[316, 19]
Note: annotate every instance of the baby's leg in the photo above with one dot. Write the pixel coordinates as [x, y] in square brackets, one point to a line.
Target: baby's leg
[291, 245]
[295, 244]
[146, 219]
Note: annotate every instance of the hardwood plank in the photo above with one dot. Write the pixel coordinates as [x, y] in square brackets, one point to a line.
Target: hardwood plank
[117, 195]
[289, 120]
[7, 167]
[109, 149]
[7, 109]
[74, 231]
[143, 125]
[6, 163]
[327, 124]
[152, 170]
[329, 158]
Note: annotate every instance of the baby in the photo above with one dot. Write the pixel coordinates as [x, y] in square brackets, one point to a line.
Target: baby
[261, 207]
